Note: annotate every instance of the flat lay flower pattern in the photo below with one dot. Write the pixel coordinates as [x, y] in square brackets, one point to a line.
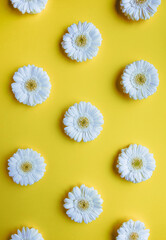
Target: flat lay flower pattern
[83, 121]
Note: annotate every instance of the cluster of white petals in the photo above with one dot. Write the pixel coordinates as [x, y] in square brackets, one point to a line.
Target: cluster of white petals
[83, 204]
[82, 41]
[133, 230]
[27, 234]
[139, 9]
[29, 6]
[26, 167]
[135, 163]
[32, 85]
[140, 80]
[83, 122]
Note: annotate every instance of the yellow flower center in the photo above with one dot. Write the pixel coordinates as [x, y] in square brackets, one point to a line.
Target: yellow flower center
[83, 122]
[26, 167]
[137, 163]
[83, 204]
[134, 236]
[140, 79]
[140, 1]
[81, 40]
[31, 85]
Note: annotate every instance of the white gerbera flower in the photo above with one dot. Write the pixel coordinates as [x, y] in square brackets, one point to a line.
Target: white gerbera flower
[83, 204]
[140, 79]
[26, 167]
[135, 163]
[83, 122]
[31, 86]
[132, 231]
[29, 6]
[27, 234]
[82, 41]
[139, 9]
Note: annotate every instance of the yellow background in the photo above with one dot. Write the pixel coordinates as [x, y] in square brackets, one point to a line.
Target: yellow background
[35, 39]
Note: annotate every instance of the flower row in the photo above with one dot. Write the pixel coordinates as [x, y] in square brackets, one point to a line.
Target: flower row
[135, 164]
[32, 85]
[132, 230]
[132, 9]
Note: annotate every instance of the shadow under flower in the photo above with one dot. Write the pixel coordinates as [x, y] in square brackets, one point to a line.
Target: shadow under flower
[62, 51]
[117, 225]
[10, 234]
[118, 86]
[9, 88]
[113, 166]
[6, 165]
[115, 162]
[15, 10]
[63, 210]
[121, 14]
[62, 126]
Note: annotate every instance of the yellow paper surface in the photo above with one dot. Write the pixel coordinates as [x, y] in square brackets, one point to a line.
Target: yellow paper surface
[35, 39]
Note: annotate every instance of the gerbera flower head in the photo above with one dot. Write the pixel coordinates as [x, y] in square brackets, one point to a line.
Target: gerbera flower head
[26, 167]
[83, 122]
[29, 6]
[133, 230]
[135, 163]
[139, 9]
[27, 234]
[82, 41]
[83, 204]
[32, 85]
[140, 80]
